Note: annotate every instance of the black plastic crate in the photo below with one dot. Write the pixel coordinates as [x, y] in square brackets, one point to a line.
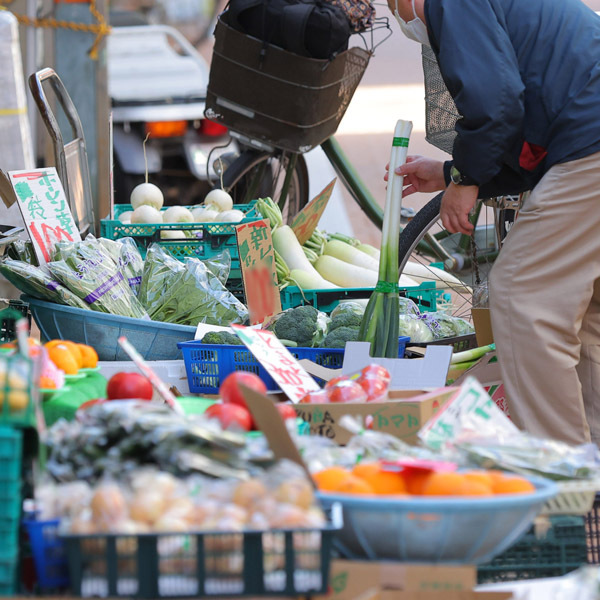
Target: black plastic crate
[563, 548]
[9, 316]
[592, 530]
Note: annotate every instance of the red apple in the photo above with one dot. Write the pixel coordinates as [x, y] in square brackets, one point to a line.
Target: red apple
[124, 386]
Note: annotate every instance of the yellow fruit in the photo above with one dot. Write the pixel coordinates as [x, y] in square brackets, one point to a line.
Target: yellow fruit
[17, 388]
[61, 356]
[90, 356]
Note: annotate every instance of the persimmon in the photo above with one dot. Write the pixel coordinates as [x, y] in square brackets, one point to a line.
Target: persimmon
[330, 478]
[513, 484]
[354, 485]
[382, 482]
[444, 483]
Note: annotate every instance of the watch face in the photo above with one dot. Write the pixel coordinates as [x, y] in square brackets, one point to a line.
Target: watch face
[455, 175]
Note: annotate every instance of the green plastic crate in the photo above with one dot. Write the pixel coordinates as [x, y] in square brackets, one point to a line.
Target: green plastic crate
[562, 549]
[425, 296]
[212, 238]
[16, 309]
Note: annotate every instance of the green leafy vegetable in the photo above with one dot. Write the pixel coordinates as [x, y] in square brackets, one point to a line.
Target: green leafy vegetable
[221, 337]
[304, 325]
[339, 336]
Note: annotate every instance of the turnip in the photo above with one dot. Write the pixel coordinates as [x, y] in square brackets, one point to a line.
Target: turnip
[125, 217]
[230, 216]
[172, 234]
[146, 214]
[204, 214]
[219, 199]
[178, 214]
[146, 193]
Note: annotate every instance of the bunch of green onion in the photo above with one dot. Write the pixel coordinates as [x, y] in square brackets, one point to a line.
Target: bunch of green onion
[380, 324]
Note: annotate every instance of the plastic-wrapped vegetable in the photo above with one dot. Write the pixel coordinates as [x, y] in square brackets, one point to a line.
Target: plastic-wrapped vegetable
[90, 272]
[38, 283]
[22, 250]
[347, 314]
[416, 328]
[408, 306]
[127, 256]
[445, 326]
[186, 293]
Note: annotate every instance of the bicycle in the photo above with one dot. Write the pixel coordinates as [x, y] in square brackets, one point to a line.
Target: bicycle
[272, 164]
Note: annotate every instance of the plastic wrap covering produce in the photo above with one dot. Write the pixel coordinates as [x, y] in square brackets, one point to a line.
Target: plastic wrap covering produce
[114, 438]
[521, 452]
[22, 250]
[444, 326]
[90, 272]
[416, 328]
[126, 254]
[38, 283]
[481, 295]
[188, 293]
[15, 138]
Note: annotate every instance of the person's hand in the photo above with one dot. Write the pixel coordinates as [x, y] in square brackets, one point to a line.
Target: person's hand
[420, 175]
[457, 202]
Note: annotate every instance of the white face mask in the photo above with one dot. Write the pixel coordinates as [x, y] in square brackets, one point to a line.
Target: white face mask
[414, 30]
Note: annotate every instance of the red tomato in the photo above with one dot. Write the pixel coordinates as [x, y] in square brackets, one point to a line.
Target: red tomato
[231, 416]
[317, 397]
[286, 411]
[333, 382]
[124, 386]
[375, 388]
[89, 403]
[347, 391]
[377, 371]
[230, 391]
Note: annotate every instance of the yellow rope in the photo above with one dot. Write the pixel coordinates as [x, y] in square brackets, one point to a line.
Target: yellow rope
[101, 29]
[11, 112]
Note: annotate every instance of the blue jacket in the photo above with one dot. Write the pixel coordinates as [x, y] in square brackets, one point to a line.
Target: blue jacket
[525, 76]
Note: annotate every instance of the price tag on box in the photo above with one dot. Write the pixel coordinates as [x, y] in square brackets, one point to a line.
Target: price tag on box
[45, 209]
[306, 221]
[287, 372]
[257, 262]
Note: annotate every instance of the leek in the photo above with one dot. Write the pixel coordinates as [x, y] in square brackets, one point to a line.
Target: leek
[380, 324]
[471, 355]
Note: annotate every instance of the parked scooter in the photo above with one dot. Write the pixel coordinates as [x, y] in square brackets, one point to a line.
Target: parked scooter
[157, 83]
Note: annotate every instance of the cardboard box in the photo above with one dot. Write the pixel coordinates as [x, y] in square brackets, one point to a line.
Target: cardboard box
[483, 326]
[354, 580]
[402, 415]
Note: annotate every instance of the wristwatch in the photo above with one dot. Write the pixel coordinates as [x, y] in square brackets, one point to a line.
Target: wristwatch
[458, 178]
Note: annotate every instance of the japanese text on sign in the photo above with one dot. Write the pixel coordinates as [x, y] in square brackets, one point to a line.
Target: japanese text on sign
[306, 221]
[45, 210]
[257, 262]
[287, 372]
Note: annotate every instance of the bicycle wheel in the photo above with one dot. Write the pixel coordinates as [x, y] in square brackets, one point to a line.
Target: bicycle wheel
[468, 259]
[257, 174]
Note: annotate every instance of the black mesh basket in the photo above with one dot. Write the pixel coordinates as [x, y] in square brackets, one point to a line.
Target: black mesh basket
[441, 113]
[283, 99]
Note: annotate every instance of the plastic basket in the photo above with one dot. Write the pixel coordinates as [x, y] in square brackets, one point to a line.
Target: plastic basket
[284, 99]
[441, 113]
[280, 563]
[592, 528]
[208, 364]
[16, 309]
[210, 238]
[11, 447]
[552, 553]
[49, 553]
[458, 343]
[437, 530]
[153, 340]
[574, 498]
[424, 296]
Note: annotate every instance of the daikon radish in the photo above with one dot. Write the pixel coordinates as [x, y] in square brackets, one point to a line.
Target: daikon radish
[350, 255]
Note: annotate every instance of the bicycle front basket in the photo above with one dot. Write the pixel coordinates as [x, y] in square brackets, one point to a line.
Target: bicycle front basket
[286, 100]
[441, 113]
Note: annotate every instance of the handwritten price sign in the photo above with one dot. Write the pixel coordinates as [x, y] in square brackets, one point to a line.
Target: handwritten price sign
[257, 262]
[308, 218]
[43, 204]
[287, 372]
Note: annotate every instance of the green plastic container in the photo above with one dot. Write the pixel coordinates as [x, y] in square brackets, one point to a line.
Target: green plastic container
[210, 238]
[562, 549]
[425, 296]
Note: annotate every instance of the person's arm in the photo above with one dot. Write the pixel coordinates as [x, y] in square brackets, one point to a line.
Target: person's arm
[480, 69]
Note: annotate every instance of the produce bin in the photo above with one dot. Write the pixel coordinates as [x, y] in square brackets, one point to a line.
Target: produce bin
[208, 239]
[552, 553]
[208, 364]
[49, 553]
[436, 530]
[592, 528]
[16, 309]
[11, 447]
[425, 296]
[273, 563]
[152, 339]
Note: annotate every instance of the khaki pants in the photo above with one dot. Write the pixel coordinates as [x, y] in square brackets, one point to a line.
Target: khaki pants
[545, 306]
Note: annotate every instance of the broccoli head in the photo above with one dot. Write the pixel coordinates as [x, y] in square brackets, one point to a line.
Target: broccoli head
[304, 325]
[339, 336]
[221, 337]
[346, 319]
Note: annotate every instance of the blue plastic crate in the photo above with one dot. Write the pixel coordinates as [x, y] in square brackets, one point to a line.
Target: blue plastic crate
[152, 339]
[207, 365]
[49, 553]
